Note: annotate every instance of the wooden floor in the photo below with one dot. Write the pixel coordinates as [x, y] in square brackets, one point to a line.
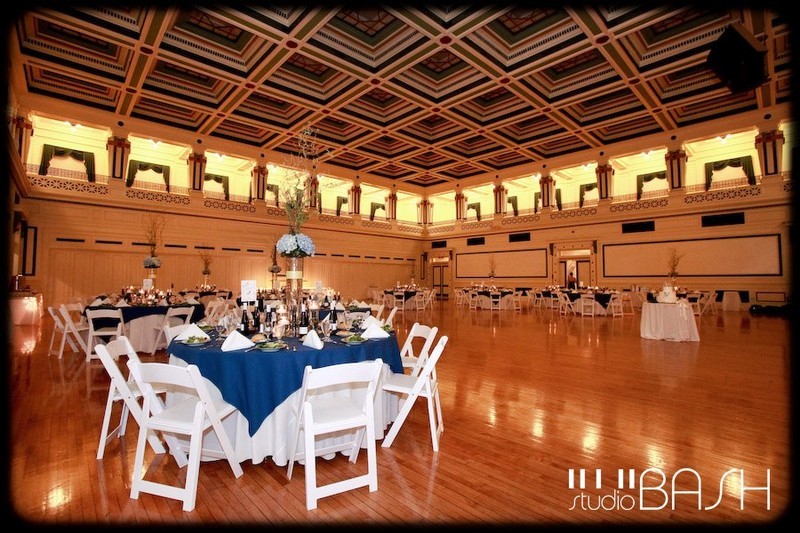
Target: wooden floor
[527, 397]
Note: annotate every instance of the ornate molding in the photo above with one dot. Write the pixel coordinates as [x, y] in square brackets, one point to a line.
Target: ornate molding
[476, 225]
[229, 206]
[276, 212]
[574, 213]
[48, 182]
[441, 229]
[519, 220]
[150, 196]
[336, 220]
[639, 205]
[374, 224]
[723, 194]
[410, 229]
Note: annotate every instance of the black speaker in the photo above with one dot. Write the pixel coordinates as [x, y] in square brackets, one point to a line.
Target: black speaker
[738, 59]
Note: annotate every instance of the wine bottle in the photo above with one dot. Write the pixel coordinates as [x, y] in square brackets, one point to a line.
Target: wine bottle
[258, 327]
[333, 316]
[303, 326]
[244, 325]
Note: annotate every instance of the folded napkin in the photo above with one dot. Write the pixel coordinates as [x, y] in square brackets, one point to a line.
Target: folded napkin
[236, 341]
[163, 303]
[369, 320]
[374, 332]
[353, 303]
[313, 340]
[190, 300]
[122, 303]
[362, 304]
[99, 301]
[340, 306]
[192, 331]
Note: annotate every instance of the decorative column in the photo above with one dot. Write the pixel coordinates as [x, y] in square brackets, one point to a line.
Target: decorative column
[258, 182]
[424, 212]
[461, 204]
[769, 145]
[500, 197]
[197, 170]
[119, 149]
[605, 174]
[546, 186]
[391, 205]
[676, 168]
[21, 133]
[354, 202]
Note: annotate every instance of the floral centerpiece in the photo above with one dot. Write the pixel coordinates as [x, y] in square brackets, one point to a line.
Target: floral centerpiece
[295, 245]
[672, 264]
[205, 256]
[153, 231]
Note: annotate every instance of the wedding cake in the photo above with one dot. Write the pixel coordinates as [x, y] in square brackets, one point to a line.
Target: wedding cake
[667, 295]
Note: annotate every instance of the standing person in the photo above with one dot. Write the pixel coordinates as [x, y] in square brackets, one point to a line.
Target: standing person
[572, 282]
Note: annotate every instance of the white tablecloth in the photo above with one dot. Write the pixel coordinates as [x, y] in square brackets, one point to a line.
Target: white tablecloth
[26, 309]
[272, 438]
[672, 322]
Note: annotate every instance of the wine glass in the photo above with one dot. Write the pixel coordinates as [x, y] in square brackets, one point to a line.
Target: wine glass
[326, 330]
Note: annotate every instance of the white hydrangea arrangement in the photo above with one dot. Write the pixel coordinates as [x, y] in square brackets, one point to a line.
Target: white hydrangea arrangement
[295, 245]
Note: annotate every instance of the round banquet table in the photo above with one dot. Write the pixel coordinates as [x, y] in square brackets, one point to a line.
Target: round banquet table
[264, 387]
[144, 322]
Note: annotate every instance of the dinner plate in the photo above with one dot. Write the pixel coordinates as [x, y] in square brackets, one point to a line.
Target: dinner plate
[355, 342]
[272, 348]
[187, 343]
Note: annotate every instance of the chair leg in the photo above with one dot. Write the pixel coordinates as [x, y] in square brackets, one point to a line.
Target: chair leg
[192, 471]
[104, 435]
[311, 464]
[398, 422]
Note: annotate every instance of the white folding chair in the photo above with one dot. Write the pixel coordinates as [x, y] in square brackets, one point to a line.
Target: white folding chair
[420, 300]
[104, 325]
[59, 327]
[615, 305]
[585, 304]
[627, 303]
[495, 299]
[709, 303]
[431, 297]
[170, 332]
[77, 331]
[473, 299]
[407, 353]
[425, 384]
[390, 317]
[192, 416]
[516, 300]
[215, 309]
[377, 310]
[121, 390]
[322, 411]
[173, 317]
[564, 304]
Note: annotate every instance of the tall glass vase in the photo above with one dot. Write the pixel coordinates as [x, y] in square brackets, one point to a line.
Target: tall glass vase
[151, 273]
[294, 288]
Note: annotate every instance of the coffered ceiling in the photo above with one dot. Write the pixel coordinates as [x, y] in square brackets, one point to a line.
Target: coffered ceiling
[417, 95]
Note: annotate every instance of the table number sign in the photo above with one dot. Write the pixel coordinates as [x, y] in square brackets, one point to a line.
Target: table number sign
[147, 283]
[248, 290]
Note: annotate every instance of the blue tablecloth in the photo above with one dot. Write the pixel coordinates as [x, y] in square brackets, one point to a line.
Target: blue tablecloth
[257, 382]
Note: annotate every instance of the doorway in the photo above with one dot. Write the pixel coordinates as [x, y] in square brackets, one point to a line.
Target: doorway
[441, 281]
